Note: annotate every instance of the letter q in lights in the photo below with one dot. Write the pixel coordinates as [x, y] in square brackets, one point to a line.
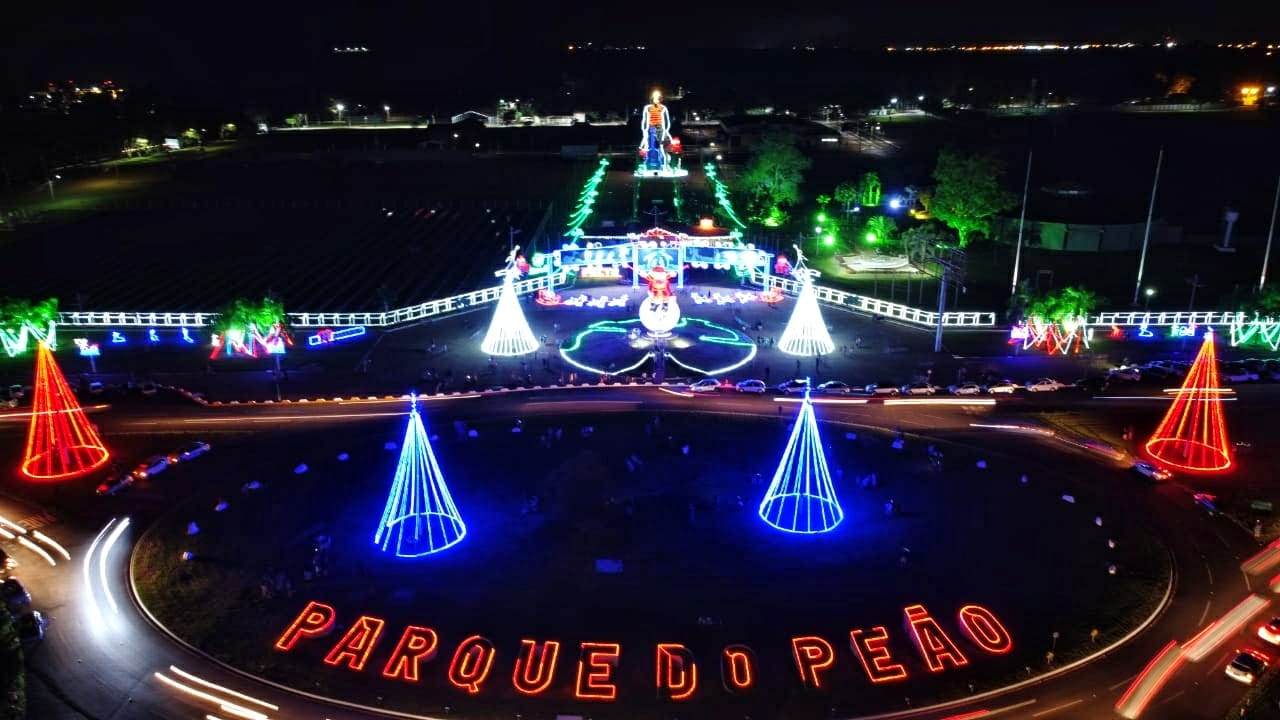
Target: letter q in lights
[315, 620]
[984, 630]
[471, 664]
[676, 673]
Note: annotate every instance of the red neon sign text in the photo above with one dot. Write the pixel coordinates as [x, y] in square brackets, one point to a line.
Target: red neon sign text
[417, 645]
[471, 664]
[535, 666]
[984, 630]
[813, 655]
[874, 656]
[677, 672]
[596, 683]
[737, 668]
[354, 648]
[315, 620]
[937, 649]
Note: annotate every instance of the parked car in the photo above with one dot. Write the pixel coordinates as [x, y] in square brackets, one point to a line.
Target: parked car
[1247, 666]
[17, 391]
[965, 389]
[190, 451]
[752, 386]
[31, 626]
[15, 595]
[115, 484]
[1271, 631]
[1095, 383]
[151, 466]
[1238, 374]
[96, 388]
[1207, 501]
[705, 385]
[920, 388]
[1126, 373]
[834, 387]
[1155, 472]
[793, 387]
[881, 389]
[1044, 385]
[148, 388]
[1003, 387]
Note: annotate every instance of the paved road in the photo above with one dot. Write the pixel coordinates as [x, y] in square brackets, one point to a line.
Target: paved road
[101, 655]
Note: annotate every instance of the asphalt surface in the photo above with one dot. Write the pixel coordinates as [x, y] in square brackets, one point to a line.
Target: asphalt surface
[101, 656]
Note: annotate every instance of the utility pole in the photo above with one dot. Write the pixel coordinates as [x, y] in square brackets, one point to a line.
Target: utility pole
[1022, 220]
[1271, 231]
[951, 263]
[512, 232]
[1146, 234]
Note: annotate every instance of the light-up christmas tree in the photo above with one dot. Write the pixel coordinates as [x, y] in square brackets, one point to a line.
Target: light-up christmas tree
[509, 332]
[806, 333]
[420, 517]
[61, 442]
[801, 498]
[1193, 433]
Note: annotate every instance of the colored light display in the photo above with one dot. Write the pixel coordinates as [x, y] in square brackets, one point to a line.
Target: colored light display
[735, 349]
[801, 498]
[722, 195]
[1264, 332]
[806, 333]
[88, 349]
[61, 442]
[23, 324]
[1193, 434]
[248, 342]
[509, 334]
[329, 336]
[1065, 336]
[587, 199]
[420, 517]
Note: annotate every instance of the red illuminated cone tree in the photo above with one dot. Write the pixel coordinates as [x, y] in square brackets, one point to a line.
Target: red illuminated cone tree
[1193, 434]
[61, 442]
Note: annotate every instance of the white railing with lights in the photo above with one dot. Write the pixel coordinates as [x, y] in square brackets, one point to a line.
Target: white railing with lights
[873, 306]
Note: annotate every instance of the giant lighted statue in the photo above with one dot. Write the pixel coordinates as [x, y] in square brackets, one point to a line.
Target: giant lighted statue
[656, 142]
[659, 312]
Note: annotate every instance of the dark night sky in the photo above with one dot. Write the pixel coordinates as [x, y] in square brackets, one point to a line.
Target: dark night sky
[54, 41]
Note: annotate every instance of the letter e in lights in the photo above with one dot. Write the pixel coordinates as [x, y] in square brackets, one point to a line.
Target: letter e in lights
[535, 666]
[737, 669]
[872, 651]
[315, 620]
[676, 673]
[984, 630]
[813, 656]
[596, 662]
[471, 664]
[936, 648]
[354, 648]
[417, 645]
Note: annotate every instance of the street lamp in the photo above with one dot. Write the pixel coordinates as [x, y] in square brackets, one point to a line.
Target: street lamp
[893, 101]
[919, 98]
[1150, 292]
[386, 109]
[339, 107]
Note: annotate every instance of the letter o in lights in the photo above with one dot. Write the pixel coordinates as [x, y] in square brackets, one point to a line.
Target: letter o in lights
[983, 629]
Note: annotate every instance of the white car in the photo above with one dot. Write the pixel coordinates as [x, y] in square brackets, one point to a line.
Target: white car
[793, 387]
[1131, 374]
[833, 387]
[1271, 631]
[1247, 666]
[1155, 472]
[919, 389]
[1003, 388]
[874, 389]
[1045, 385]
[752, 386]
[705, 385]
[965, 389]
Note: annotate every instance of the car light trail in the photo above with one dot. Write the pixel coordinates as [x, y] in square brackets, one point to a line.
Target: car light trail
[95, 611]
[1224, 628]
[13, 525]
[825, 401]
[6, 534]
[214, 686]
[223, 705]
[1149, 681]
[24, 542]
[940, 401]
[1266, 559]
[53, 544]
[1014, 428]
[677, 393]
[102, 563]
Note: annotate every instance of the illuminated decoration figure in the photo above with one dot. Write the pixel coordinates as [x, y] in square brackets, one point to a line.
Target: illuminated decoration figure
[509, 334]
[420, 517]
[659, 312]
[1261, 331]
[782, 266]
[617, 347]
[22, 322]
[806, 333]
[61, 442]
[655, 137]
[587, 199]
[1068, 335]
[244, 342]
[801, 498]
[1193, 433]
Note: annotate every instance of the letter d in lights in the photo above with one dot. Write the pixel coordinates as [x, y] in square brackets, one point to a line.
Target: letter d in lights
[676, 673]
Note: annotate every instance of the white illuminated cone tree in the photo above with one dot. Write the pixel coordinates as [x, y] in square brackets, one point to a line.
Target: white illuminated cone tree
[509, 333]
[806, 334]
[801, 498]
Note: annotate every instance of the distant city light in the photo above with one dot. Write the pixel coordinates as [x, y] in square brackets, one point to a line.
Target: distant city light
[893, 101]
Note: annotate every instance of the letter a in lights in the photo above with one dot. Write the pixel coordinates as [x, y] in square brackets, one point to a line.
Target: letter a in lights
[936, 648]
[417, 645]
[315, 620]
[354, 648]
[813, 657]
[471, 664]
[535, 666]
[677, 672]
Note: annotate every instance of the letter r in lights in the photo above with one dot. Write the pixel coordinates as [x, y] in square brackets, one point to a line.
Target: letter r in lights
[596, 662]
[315, 620]
[417, 645]
[354, 649]
[813, 656]
[676, 673]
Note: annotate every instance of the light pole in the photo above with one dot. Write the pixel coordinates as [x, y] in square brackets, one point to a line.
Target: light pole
[512, 232]
[339, 107]
[1266, 256]
[386, 110]
[1146, 235]
[1150, 292]
[1022, 220]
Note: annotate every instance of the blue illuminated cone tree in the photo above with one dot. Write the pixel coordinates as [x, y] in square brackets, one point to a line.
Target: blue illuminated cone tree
[420, 517]
[509, 332]
[801, 498]
[806, 332]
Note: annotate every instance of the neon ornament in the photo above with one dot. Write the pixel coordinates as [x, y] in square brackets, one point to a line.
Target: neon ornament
[420, 517]
[88, 349]
[1063, 337]
[801, 498]
[1193, 434]
[61, 442]
[618, 347]
[329, 336]
[509, 334]
[1258, 331]
[246, 342]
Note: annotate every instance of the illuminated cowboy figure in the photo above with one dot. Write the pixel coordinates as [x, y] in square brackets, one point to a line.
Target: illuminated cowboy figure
[659, 287]
[656, 131]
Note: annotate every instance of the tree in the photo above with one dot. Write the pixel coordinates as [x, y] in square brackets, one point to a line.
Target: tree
[917, 240]
[869, 189]
[1060, 305]
[968, 193]
[881, 230]
[846, 194]
[822, 201]
[15, 313]
[1265, 303]
[241, 313]
[771, 180]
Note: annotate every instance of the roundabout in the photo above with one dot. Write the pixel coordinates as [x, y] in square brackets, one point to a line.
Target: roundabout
[614, 559]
